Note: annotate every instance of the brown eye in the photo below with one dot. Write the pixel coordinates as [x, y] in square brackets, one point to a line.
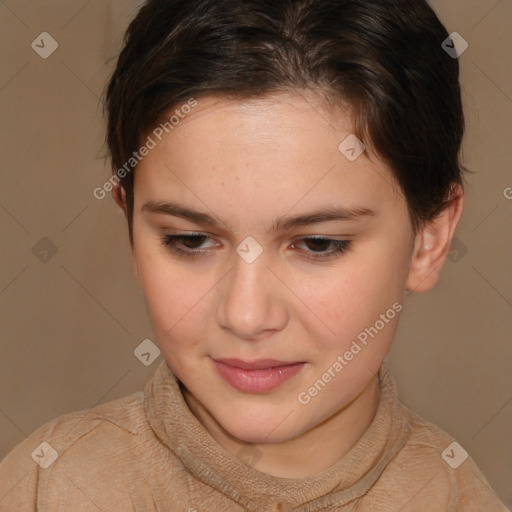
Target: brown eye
[186, 245]
[318, 247]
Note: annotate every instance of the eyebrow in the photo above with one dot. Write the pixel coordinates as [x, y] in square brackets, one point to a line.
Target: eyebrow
[327, 214]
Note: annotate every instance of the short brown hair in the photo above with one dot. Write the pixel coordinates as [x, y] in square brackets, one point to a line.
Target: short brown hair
[384, 57]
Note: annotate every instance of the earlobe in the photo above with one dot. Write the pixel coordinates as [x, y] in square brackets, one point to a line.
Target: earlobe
[432, 245]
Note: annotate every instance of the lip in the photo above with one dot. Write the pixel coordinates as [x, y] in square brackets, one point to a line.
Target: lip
[260, 376]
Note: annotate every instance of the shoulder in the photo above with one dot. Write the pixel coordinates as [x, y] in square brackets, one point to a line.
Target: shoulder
[122, 419]
[434, 470]
[63, 454]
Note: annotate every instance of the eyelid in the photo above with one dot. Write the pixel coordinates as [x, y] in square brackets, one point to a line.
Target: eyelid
[185, 234]
[341, 246]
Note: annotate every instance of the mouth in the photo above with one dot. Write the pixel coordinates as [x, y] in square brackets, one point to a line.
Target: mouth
[260, 376]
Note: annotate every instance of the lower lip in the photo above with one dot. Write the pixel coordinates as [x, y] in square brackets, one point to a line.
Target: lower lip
[257, 381]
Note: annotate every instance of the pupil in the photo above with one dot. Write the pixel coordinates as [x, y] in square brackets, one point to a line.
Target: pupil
[318, 241]
[191, 240]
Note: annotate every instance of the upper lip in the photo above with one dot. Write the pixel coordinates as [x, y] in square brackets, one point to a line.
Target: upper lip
[258, 364]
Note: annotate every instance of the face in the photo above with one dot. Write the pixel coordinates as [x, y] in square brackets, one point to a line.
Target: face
[261, 305]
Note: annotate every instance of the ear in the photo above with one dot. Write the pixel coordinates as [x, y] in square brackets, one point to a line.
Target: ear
[119, 196]
[432, 245]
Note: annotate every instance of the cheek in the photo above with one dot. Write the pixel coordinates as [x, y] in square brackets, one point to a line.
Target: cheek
[169, 295]
[173, 313]
[347, 302]
[356, 293]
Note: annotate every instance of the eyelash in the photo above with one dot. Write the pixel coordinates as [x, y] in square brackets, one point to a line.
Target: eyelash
[169, 241]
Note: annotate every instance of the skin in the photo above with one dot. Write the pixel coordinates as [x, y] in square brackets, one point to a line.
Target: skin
[249, 163]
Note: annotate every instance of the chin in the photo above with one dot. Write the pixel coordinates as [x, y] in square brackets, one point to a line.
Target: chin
[257, 436]
[262, 431]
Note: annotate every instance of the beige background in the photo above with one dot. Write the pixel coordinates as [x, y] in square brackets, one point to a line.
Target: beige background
[70, 324]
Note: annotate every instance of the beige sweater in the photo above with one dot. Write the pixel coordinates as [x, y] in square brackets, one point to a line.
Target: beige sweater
[147, 453]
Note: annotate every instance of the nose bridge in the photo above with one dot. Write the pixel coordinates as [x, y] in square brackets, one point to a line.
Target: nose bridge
[250, 265]
[248, 302]
[249, 278]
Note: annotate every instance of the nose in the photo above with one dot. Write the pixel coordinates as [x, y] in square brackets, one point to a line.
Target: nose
[252, 300]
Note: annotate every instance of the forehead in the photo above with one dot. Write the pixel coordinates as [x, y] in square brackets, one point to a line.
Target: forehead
[276, 112]
[283, 147]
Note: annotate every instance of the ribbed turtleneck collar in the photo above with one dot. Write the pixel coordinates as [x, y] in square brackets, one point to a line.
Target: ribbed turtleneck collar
[348, 479]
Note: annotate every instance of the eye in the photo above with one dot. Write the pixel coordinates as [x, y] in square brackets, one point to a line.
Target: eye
[319, 244]
[190, 246]
[185, 245]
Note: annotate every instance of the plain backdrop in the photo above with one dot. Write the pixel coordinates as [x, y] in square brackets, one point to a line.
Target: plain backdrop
[71, 314]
